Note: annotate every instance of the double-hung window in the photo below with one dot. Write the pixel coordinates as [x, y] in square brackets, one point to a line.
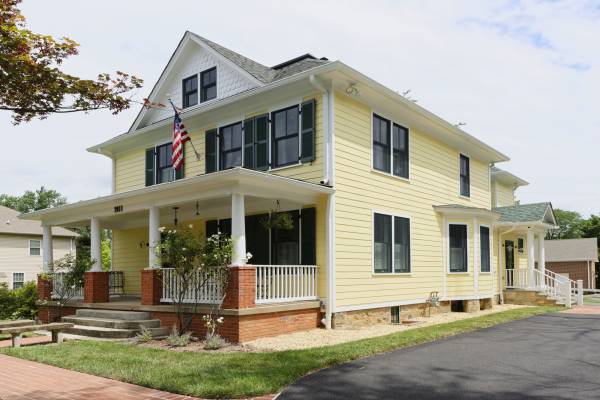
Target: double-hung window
[18, 280]
[458, 244]
[208, 83]
[34, 247]
[391, 244]
[190, 91]
[465, 176]
[390, 147]
[159, 165]
[230, 138]
[285, 137]
[484, 247]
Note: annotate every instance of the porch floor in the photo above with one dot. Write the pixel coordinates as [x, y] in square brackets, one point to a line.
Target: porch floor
[134, 304]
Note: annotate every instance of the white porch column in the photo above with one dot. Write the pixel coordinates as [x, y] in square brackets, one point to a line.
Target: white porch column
[238, 229]
[530, 259]
[542, 257]
[47, 251]
[95, 244]
[153, 237]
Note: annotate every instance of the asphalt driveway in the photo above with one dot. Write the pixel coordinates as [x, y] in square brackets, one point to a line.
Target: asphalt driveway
[553, 356]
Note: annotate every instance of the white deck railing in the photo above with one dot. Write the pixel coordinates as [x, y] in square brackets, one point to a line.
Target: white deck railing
[281, 283]
[209, 293]
[516, 278]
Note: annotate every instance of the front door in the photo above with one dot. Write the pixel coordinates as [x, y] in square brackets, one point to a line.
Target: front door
[509, 262]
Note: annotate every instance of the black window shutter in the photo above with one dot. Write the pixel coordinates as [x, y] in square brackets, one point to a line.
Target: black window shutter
[261, 148]
[257, 239]
[309, 237]
[210, 151]
[249, 158]
[150, 173]
[308, 131]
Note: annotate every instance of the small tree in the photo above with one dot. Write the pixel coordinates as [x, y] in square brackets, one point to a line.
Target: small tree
[72, 271]
[196, 263]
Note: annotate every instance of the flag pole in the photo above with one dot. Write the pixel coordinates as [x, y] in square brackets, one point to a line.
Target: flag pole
[191, 142]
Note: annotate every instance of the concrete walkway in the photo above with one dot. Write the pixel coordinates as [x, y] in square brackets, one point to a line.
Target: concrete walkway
[547, 357]
[27, 380]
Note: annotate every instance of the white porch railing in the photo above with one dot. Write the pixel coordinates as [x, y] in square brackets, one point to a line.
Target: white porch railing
[58, 287]
[280, 283]
[553, 285]
[516, 278]
[210, 293]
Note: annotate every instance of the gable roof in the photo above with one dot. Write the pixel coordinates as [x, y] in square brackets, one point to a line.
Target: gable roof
[260, 74]
[571, 250]
[527, 213]
[11, 224]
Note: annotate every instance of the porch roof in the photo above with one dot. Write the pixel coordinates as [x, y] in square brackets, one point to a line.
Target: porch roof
[540, 214]
[207, 190]
[459, 210]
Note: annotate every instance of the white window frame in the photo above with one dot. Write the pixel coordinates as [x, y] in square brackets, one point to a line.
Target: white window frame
[459, 191]
[200, 85]
[392, 122]
[30, 247]
[197, 75]
[448, 248]
[491, 244]
[410, 245]
[13, 279]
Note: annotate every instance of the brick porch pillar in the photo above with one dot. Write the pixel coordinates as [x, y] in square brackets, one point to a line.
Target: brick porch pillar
[151, 287]
[241, 287]
[44, 288]
[95, 287]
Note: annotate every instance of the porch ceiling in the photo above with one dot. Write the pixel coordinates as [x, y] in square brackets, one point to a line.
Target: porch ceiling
[211, 191]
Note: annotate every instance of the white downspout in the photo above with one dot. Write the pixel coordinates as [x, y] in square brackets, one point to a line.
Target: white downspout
[328, 178]
[500, 291]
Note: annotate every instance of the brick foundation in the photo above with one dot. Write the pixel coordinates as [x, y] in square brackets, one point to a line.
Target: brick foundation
[95, 288]
[151, 287]
[44, 288]
[241, 287]
[47, 314]
[243, 328]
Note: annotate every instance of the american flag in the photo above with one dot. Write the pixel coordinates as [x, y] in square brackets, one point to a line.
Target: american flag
[180, 136]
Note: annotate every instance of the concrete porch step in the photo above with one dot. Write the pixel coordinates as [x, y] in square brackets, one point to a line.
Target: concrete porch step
[113, 314]
[99, 332]
[112, 323]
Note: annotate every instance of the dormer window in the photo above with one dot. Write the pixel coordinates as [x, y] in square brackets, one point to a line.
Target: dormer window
[190, 91]
[208, 83]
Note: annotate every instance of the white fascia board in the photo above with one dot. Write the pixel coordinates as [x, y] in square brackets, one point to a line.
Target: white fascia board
[507, 178]
[466, 212]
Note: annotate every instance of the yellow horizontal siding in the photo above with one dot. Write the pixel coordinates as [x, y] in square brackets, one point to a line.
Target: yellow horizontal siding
[505, 195]
[130, 165]
[359, 191]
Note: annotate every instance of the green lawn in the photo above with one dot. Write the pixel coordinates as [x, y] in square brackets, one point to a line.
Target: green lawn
[237, 374]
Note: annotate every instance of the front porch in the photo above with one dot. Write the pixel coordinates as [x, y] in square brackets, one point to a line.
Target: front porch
[287, 266]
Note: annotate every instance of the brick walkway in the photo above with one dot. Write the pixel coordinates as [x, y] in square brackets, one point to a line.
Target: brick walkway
[22, 379]
[584, 310]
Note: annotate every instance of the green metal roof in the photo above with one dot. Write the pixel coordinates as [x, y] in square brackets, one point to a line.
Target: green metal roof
[535, 212]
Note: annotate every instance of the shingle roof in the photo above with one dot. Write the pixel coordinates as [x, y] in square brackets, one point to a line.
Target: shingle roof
[259, 71]
[571, 250]
[534, 212]
[11, 224]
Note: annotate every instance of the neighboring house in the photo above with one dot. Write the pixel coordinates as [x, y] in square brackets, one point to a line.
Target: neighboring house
[390, 202]
[21, 250]
[574, 258]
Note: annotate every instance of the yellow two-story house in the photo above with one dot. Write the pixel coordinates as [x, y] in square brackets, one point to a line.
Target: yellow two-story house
[394, 209]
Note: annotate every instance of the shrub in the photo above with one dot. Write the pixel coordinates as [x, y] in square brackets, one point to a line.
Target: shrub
[144, 336]
[178, 340]
[215, 342]
[18, 303]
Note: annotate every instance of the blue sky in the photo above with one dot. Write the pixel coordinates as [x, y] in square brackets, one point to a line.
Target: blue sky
[524, 76]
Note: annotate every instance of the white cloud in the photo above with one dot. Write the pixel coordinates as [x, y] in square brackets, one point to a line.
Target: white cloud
[523, 75]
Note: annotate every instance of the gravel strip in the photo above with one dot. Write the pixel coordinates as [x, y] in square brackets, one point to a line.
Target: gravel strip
[324, 337]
